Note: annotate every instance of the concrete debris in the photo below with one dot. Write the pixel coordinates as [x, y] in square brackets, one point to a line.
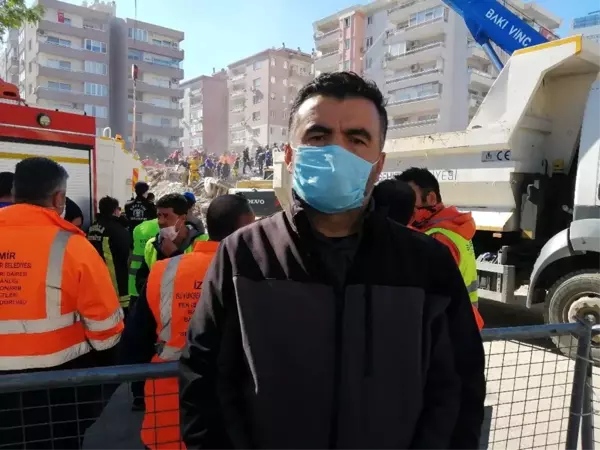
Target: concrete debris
[169, 180]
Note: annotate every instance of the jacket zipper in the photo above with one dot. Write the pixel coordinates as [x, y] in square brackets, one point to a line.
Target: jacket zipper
[340, 303]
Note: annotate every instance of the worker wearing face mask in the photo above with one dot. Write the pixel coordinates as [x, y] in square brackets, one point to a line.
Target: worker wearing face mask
[445, 224]
[175, 237]
[58, 310]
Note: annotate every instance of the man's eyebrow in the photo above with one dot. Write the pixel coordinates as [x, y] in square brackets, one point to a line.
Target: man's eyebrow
[316, 128]
[359, 132]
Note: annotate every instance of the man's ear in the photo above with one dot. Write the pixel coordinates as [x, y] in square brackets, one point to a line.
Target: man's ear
[289, 158]
[379, 165]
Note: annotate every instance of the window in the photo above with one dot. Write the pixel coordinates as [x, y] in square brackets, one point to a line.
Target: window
[56, 86]
[256, 99]
[426, 15]
[270, 130]
[30, 67]
[369, 41]
[95, 67]
[160, 102]
[285, 82]
[138, 34]
[30, 88]
[346, 65]
[134, 54]
[256, 65]
[56, 64]
[283, 99]
[99, 90]
[272, 96]
[138, 117]
[67, 21]
[256, 116]
[57, 41]
[272, 62]
[285, 64]
[96, 111]
[370, 20]
[166, 122]
[95, 46]
[347, 44]
[256, 83]
[283, 132]
[29, 44]
[347, 22]
[256, 132]
[284, 114]
[272, 114]
[369, 63]
[272, 80]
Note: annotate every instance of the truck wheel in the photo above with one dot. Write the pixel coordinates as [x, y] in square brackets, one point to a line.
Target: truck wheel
[575, 296]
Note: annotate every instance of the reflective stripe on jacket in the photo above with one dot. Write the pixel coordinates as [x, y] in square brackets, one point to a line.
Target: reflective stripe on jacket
[141, 234]
[151, 254]
[56, 296]
[467, 264]
[172, 292]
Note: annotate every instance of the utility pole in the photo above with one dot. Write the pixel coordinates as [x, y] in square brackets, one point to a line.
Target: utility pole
[134, 76]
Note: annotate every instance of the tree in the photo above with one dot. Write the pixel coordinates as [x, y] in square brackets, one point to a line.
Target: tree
[15, 14]
[152, 149]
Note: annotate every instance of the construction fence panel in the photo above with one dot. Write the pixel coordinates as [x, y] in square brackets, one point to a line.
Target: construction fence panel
[537, 398]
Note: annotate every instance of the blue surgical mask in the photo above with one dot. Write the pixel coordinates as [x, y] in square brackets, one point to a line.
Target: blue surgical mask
[330, 179]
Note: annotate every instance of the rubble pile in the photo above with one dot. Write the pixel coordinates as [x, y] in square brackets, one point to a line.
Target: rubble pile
[168, 180]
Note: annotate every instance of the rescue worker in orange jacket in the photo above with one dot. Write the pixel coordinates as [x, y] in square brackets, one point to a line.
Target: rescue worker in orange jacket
[58, 310]
[157, 328]
[447, 225]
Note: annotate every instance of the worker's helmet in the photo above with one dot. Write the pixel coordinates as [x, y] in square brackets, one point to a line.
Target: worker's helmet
[190, 197]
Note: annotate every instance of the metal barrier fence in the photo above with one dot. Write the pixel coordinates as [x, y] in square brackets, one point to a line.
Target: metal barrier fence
[537, 398]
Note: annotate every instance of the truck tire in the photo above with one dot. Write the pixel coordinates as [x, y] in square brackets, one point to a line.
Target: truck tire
[575, 295]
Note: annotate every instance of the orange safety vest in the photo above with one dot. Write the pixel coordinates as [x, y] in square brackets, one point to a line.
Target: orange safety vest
[173, 290]
[57, 300]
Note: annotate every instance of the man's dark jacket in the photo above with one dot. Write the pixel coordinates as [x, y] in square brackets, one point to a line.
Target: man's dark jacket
[139, 210]
[281, 354]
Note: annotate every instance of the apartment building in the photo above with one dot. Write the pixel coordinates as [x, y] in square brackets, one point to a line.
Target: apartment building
[422, 57]
[9, 58]
[205, 107]
[261, 90]
[78, 58]
[588, 25]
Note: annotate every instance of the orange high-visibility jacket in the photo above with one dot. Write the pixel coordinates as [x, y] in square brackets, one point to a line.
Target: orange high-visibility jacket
[172, 292]
[57, 301]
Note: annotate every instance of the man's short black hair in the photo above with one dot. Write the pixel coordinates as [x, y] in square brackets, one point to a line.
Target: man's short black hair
[107, 206]
[37, 179]
[396, 199]
[150, 197]
[224, 214]
[342, 85]
[6, 183]
[422, 178]
[141, 187]
[177, 202]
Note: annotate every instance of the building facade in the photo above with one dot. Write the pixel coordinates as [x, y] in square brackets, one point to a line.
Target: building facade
[588, 25]
[261, 90]
[78, 59]
[420, 54]
[208, 131]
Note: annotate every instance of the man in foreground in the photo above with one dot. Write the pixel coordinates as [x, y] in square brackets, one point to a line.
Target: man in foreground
[326, 326]
[156, 331]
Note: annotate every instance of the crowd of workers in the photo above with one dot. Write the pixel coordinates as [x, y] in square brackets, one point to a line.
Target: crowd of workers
[337, 323]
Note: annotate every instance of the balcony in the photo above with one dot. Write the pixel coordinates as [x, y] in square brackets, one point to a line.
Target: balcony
[237, 126]
[151, 88]
[475, 102]
[161, 50]
[422, 77]
[430, 102]
[238, 94]
[481, 78]
[13, 65]
[237, 109]
[417, 55]
[328, 40]
[423, 30]
[196, 92]
[412, 128]
[70, 30]
[71, 75]
[158, 69]
[476, 52]
[71, 96]
[72, 52]
[327, 62]
[160, 130]
[402, 12]
[150, 108]
[238, 79]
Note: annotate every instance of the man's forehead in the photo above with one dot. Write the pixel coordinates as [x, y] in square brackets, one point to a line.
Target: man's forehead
[321, 108]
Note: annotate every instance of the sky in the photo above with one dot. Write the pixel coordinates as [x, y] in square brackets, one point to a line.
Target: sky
[220, 32]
